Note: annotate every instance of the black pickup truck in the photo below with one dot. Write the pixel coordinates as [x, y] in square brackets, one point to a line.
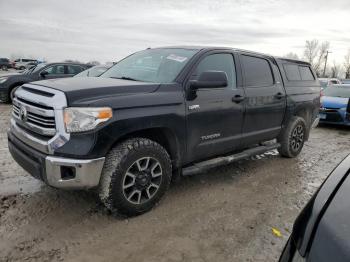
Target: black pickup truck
[158, 114]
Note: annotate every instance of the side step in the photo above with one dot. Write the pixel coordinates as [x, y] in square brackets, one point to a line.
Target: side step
[219, 161]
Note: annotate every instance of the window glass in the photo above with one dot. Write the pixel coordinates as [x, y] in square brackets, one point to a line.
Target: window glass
[160, 65]
[74, 69]
[55, 70]
[306, 73]
[292, 72]
[218, 62]
[257, 71]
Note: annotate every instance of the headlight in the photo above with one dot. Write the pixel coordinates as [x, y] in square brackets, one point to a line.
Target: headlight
[3, 79]
[80, 119]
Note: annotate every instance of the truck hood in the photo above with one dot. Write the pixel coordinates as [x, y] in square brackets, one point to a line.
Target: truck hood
[334, 102]
[82, 89]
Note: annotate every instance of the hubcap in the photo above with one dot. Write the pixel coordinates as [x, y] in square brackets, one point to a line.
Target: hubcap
[297, 137]
[142, 180]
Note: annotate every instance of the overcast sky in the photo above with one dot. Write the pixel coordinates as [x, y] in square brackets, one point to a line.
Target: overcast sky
[109, 30]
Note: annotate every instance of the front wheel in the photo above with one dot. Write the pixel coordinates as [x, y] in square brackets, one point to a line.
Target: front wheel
[135, 176]
[292, 137]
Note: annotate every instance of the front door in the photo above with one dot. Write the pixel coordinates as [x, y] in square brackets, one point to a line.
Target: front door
[214, 120]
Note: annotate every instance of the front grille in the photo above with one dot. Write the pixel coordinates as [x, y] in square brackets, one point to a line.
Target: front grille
[37, 118]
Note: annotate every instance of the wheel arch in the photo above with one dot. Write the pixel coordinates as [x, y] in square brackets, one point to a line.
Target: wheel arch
[163, 136]
[305, 113]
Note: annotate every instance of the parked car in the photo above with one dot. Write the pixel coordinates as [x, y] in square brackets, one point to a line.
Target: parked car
[335, 105]
[5, 64]
[94, 71]
[345, 81]
[9, 83]
[21, 63]
[326, 82]
[158, 114]
[321, 233]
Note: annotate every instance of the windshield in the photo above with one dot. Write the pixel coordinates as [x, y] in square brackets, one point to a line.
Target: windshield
[33, 69]
[152, 65]
[337, 92]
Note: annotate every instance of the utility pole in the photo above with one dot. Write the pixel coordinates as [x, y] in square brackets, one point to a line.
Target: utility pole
[325, 63]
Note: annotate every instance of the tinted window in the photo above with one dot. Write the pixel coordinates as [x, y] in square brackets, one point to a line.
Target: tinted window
[73, 69]
[218, 62]
[55, 70]
[292, 72]
[306, 73]
[257, 71]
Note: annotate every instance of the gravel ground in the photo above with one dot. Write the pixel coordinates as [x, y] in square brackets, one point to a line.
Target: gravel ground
[223, 215]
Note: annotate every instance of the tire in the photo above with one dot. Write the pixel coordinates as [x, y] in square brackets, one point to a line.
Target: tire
[136, 174]
[292, 137]
[4, 68]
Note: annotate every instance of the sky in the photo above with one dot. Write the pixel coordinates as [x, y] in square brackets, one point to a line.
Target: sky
[106, 30]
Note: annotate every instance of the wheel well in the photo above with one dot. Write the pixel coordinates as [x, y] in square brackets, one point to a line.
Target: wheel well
[163, 136]
[306, 115]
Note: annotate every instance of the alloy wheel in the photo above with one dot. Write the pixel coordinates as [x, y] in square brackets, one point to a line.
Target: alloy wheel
[142, 180]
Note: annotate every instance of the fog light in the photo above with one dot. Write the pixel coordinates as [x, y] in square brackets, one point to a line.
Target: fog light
[67, 172]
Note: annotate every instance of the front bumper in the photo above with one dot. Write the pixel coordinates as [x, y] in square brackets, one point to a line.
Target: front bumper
[59, 172]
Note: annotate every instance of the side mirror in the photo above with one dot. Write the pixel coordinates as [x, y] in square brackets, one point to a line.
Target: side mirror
[210, 79]
[44, 73]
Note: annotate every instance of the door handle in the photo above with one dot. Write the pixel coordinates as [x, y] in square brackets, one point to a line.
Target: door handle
[237, 98]
[279, 95]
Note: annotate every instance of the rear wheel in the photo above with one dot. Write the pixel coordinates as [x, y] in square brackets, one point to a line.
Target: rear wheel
[135, 176]
[4, 68]
[292, 137]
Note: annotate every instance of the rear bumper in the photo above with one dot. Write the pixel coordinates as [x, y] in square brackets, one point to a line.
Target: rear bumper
[338, 117]
[59, 172]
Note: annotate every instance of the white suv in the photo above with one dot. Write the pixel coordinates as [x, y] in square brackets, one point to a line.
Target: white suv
[22, 63]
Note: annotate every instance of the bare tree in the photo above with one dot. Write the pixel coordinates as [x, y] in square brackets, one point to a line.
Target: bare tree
[315, 53]
[335, 70]
[291, 55]
[347, 65]
[311, 50]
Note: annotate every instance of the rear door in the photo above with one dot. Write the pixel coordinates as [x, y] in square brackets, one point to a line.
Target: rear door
[214, 121]
[265, 98]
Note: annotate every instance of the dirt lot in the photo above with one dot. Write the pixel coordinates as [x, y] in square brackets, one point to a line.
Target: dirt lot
[223, 215]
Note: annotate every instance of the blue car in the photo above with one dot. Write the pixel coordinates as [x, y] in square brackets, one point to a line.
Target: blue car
[335, 105]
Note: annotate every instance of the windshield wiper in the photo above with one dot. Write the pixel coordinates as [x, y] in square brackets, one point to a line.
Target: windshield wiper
[126, 78]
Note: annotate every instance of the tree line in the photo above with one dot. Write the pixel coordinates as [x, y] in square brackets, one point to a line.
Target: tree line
[317, 54]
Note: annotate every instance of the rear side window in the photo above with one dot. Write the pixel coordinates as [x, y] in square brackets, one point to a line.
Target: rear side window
[257, 71]
[218, 62]
[292, 72]
[298, 73]
[306, 73]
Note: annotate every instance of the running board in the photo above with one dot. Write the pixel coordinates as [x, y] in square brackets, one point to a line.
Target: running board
[219, 161]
